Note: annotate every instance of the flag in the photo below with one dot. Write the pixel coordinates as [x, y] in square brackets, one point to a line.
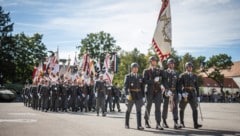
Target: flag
[75, 63]
[114, 63]
[162, 38]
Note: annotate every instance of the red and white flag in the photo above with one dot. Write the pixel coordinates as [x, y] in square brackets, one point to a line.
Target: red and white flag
[162, 38]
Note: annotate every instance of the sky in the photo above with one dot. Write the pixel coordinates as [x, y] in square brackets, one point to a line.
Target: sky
[199, 27]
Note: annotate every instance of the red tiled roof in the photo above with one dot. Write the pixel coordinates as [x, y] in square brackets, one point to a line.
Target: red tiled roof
[234, 71]
[228, 83]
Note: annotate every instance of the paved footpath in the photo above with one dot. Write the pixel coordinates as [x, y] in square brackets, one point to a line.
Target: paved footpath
[18, 120]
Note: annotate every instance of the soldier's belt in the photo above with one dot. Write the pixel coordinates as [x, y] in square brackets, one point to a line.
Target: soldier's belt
[135, 90]
[172, 89]
[189, 88]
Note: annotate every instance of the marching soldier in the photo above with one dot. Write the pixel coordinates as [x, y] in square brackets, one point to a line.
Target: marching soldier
[116, 96]
[109, 92]
[188, 84]
[152, 78]
[170, 96]
[34, 96]
[64, 96]
[134, 89]
[100, 90]
[91, 104]
[45, 90]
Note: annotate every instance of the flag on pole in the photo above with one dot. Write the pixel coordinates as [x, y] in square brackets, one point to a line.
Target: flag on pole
[162, 38]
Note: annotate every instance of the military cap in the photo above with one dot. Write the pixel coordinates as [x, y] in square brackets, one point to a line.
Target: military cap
[152, 58]
[134, 64]
[170, 60]
[188, 64]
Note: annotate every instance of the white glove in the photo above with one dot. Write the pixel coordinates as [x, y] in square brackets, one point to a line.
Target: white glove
[87, 96]
[106, 97]
[83, 95]
[185, 95]
[69, 98]
[163, 88]
[169, 93]
[78, 97]
[143, 99]
[156, 79]
[95, 94]
[198, 98]
[129, 97]
[179, 97]
[60, 98]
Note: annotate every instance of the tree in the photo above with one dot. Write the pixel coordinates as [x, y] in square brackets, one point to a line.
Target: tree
[29, 52]
[97, 45]
[7, 68]
[126, 59]
[213, 67]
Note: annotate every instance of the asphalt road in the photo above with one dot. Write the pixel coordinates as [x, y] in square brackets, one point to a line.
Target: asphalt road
[18, 120]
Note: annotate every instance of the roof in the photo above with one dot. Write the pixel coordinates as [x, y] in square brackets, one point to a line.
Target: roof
[228, 83]
[233, 72]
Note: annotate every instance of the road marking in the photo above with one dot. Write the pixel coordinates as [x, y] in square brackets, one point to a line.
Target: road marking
[23, 114]
[18, 120]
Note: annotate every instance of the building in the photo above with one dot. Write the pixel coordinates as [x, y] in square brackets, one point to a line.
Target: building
[231, 81]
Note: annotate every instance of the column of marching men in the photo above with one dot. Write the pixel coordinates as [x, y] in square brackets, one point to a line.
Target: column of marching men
[155, 86]
[62, 94]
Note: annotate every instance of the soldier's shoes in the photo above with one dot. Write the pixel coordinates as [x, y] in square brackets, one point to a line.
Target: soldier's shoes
[97, 114]
[127, 126]
[159, 127]
[182, 124]
[119, 110]
[177, 126]
[196, 126]
[104, 114]
[147, 125]
[140, 128]
[165, 125]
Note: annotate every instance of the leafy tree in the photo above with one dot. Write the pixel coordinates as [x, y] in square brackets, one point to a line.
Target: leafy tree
[29, 52]
[124, 67]
[214, 66]
[7, 68]
[97, 45]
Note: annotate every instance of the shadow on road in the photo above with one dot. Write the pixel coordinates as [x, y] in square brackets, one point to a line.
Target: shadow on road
[189, 132]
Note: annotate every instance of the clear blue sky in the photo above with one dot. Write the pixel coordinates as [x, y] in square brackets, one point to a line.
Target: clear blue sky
[200, 27]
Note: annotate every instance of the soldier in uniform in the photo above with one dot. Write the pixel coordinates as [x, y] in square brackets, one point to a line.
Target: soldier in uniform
[34, 96]
[91, 105]
[134, 89]
[64, 87]
[170, 80]
[116, 96]
[109, 92]
[188, 84]
[152, 78]
[45, 90]
[100, 90]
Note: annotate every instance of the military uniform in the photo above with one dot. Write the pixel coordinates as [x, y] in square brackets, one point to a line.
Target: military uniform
[100, 90]
[54, 97]
[116, 96]
[134, 90]
[170, 80]
[33, 91]
[152, 78]
[109, 92]
[45, 92]
[188, 84]
[64, 93]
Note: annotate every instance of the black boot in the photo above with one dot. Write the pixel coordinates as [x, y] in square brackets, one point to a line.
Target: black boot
[139, 123]
[165, 125]
[159, 127]
[127, 120]
[181, 118]
[147, 125]
[176, 125]
[196, 126]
